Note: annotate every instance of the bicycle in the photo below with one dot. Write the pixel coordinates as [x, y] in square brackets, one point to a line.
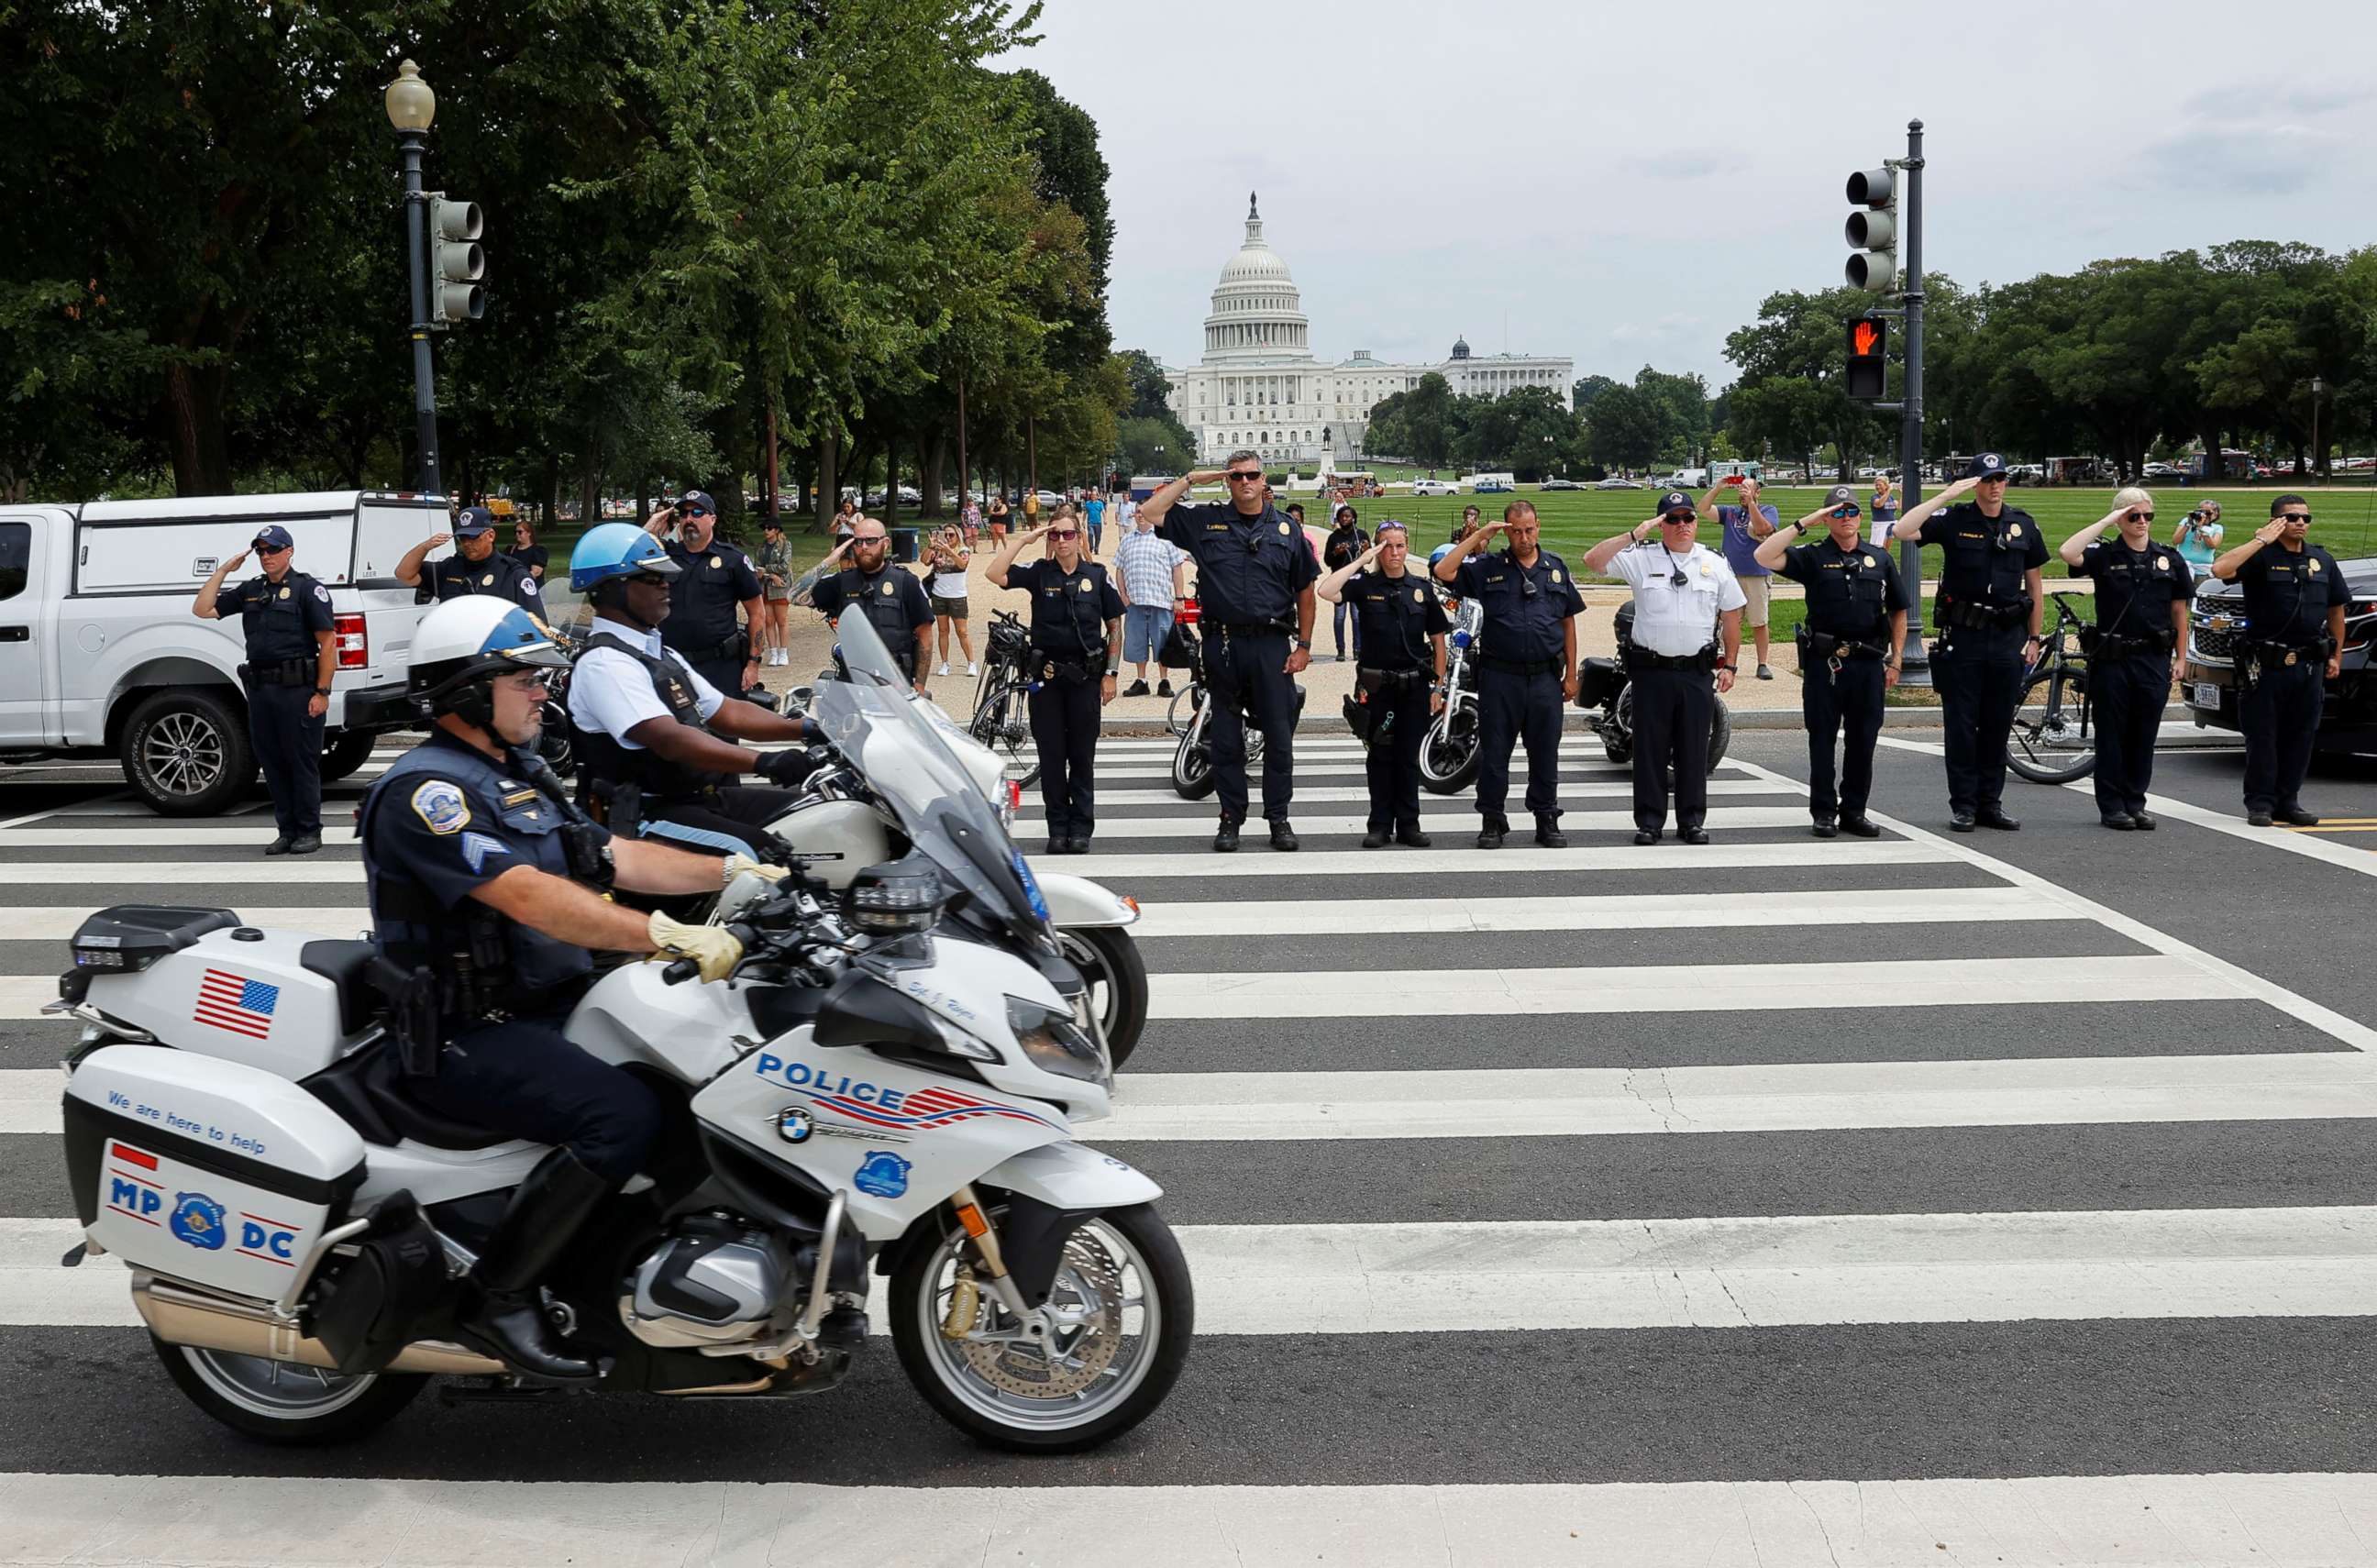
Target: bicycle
[1002, 717]
[2060, 745]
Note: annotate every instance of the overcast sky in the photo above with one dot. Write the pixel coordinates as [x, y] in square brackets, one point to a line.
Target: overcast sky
[1594, 174]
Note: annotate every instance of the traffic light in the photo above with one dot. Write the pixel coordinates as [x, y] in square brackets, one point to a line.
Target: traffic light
[1873, 231]
[457, 261]
[1867, 373]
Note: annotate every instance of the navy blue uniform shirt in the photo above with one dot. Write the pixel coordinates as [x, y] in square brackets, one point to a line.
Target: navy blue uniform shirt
[279, 619]
[2135, 588]
[1249, 569]
[1069, 609]
[2286, 595]
[704, 593]
[894, 598]
[1399, 614]
[1986, 556]
[1850, 593]
[1523, 606]
[499, 575]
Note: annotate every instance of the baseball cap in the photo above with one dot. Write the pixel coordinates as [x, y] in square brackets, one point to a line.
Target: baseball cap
[1988, 465]
[1673, 500]
[697, 501]
[272, 536]
[1840, 496]
[474, 521]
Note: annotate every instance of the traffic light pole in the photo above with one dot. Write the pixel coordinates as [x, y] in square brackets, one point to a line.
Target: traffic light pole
[424, 385]
[1916, 670]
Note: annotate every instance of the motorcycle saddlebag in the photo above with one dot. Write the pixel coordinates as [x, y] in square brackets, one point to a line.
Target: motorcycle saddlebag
[204, 1170]
[1597, 681]
[1181, 650]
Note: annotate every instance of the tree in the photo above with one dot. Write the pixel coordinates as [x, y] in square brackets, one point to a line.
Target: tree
[1150, 393]
[1625, 429]
[1684, 404]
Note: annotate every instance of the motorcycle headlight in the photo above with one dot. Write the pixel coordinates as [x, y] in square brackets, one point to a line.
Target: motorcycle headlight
[1055, 1043]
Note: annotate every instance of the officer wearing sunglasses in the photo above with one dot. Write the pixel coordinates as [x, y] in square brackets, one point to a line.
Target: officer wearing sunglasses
[2295, 600]
[715, 579]
[1526, 665]
[293, 653]
[2143, 589]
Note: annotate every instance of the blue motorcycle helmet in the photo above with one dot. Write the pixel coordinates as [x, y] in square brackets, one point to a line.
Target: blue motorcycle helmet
[614, 550]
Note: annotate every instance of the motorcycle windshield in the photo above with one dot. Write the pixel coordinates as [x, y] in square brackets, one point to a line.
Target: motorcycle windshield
[871, 719]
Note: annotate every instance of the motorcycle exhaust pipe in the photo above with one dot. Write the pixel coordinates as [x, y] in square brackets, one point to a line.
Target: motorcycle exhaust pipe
[179, 1316]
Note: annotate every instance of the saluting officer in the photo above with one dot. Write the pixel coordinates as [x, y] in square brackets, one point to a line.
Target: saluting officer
[1527, 670]
[2295, 599]
[1255, 573]
[1076, 655]
[715, 578]
[474, 567]
[1987, 610]
[2142, 590]
[291, 656]
[1684, 595]
[1399, 639]
[892, 601]
[1850, 646]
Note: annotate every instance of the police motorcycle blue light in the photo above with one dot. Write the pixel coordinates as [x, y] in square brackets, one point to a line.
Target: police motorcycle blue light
[1039, 906]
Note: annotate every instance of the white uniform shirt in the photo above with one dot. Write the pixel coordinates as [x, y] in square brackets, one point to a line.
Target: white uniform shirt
[612, 694]
[1670, 620]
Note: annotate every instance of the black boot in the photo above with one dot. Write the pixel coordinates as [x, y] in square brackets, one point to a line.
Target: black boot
[559, 1196]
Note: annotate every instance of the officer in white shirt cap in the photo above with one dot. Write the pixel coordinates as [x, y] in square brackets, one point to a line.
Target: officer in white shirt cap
[1685, 598]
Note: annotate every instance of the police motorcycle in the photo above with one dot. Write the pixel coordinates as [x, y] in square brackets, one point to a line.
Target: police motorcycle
[873, 1118]
[1604, 689]
[867, 797]
[1192, 758]
[1447, 758]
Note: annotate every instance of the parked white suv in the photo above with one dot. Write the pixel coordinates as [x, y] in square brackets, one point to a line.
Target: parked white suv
[1435, 487]
[100, 653]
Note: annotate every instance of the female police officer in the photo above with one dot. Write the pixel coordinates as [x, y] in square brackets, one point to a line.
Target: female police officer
[2142, 590]
[1398, 638]
[1076, 653]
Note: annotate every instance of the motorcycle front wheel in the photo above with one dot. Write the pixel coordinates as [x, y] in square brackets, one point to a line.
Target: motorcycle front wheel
[2060, 744]
[1127, 1314]
[1109, 961]
[1193, 764]
[281, 1402]
[1449, 756]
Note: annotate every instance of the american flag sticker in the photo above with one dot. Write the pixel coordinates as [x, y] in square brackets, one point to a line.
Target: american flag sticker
[233, 1002]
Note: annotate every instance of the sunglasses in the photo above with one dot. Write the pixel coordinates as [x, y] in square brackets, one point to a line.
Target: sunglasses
[1680, 518]
[271, 549]
[2142, 517]
[649, 580]
[692, 511]
[1249, 478]
[1064, 533]
[858, 541]
[2294, 516]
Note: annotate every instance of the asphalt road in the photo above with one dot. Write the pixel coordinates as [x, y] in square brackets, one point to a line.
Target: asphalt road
[2037, 1157]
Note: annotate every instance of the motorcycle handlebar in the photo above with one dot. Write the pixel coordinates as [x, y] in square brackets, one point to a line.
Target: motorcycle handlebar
[679, 971]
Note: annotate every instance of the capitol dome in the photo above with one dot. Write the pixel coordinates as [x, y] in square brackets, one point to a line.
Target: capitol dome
[1257, 312]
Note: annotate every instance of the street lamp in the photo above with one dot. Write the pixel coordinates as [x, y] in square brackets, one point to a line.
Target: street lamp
[411, 108]
[2317, 387]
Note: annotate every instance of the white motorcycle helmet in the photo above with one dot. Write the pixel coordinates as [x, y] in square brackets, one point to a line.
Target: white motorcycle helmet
[463, 644]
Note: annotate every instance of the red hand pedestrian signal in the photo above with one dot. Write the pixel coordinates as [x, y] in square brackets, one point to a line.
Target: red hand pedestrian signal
[1865, 338]
[1867, 374]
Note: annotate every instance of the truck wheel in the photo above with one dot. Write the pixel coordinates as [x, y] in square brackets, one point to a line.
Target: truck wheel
[348, 750]
[187, 752]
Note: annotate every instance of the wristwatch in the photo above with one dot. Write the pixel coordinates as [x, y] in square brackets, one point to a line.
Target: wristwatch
[1799, 525]
[1726, 665]
[322, 691]
[1300, 642]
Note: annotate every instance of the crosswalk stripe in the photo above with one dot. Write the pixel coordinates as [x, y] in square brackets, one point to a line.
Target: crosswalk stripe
[1738, 1272]
[1874, 906]
[2275, 1520]
[1798, 1096]
[156, 874]
[1138, 795]
[1720, 988]
[58, 922]
[1570, 1102]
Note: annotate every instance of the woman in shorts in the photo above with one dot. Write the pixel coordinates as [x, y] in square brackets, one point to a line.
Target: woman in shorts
[945, 584]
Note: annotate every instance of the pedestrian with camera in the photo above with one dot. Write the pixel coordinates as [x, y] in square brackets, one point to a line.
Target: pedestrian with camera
[1255, 571]
[1745, 527]
[945, 584]
[2295, 600]
[1398, 679]
[1991, 600]
[1687, 631]
[1345, 544]
[1851, 645]
[1526, 665]
[2199, 537]
[1075, 630]
[2139, 639]
[293, 653]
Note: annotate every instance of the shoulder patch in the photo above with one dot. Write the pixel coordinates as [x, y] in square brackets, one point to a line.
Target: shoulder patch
[440, 805]
[322, 593]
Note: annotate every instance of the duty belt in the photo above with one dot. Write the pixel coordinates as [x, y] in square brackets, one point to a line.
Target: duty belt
[1967, 612]
[1830, 645]
[1521, 666]
[733, 647]
[281, 672]
[2268, 654]
[2113, 647]
[1252, 628]
[1640, 658]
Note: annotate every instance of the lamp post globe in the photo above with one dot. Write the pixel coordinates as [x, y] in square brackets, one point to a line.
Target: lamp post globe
[412, 106]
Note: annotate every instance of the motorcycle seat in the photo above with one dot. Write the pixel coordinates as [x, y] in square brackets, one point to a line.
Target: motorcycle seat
[368, 1089]
[346, 966]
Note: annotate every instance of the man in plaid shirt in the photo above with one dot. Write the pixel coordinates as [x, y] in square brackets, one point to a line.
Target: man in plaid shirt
[1155, 582]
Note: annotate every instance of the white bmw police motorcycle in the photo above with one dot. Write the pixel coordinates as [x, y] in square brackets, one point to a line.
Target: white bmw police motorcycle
[869, 1121]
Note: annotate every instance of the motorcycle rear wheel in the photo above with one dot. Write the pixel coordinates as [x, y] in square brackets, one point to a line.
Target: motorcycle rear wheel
[1193, 764]
[281, 1402]
[1122, 1265]
[1449, 756]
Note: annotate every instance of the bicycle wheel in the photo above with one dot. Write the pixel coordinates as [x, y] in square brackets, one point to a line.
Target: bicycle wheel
[1003, 725]
[2058, 744]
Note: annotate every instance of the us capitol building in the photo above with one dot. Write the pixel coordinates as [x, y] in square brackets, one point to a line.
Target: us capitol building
[1259, 385]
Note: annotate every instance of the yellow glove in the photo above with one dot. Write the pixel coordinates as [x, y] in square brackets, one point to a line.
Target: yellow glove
[715, 948]
[738, 864]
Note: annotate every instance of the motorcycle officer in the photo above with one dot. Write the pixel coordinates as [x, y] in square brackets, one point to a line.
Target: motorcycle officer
[473, 568]
[1991, 596]
[639, 714]
[1255, 571]
[1076, 655]
[1398, 620]
[1850, 647]
[713, 580]
[488, 891]
[2295, 600]
[1681, 604]
[2142, 592]
[893, 601]
[1527, 670]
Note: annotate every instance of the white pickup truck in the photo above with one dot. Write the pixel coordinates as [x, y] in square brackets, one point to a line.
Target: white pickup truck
[101, 655]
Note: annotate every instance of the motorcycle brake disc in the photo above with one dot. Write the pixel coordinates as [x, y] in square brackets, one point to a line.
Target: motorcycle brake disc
[1088, 1276]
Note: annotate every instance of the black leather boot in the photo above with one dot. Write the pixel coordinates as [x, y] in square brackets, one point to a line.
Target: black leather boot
[547, 1210]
